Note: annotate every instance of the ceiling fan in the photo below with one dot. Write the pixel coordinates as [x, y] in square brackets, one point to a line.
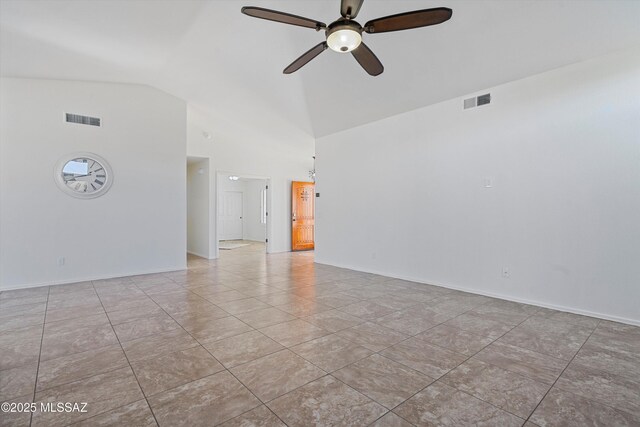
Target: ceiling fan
[345, 35]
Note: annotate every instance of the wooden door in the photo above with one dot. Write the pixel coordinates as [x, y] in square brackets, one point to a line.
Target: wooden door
[231, 216]
[302, 215]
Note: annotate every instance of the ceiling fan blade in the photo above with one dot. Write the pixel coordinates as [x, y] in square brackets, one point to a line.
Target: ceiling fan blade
[285, 18]
[350, 8]
[409, 20]
[306, 57]
[368, 60]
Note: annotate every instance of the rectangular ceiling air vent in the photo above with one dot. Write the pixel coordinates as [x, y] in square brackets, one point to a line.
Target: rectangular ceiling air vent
[477, 101]
[82, 120]
[469, 103]
[484, 99]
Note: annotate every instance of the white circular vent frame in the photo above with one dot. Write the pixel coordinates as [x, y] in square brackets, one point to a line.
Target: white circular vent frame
[59, 176]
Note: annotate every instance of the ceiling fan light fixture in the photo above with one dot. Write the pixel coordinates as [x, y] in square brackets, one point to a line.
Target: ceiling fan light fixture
[345, 34]
[344, 40]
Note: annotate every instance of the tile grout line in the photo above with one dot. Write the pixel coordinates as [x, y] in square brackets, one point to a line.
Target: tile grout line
[392, 413]
[225, 368]
[388, 411]
[373, 321]
[229, 315]
[373, 400]
[470, 357]
[221, 364]
[15, 328]
[329, 333]
[83, 378]
[284, 348]
[548, 390]
[561, 373]
[467, 359]
[35, 386]
[128, 361]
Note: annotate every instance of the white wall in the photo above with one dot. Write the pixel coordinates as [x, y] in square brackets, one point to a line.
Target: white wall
[254, 229]
[138, 226]
[198, 208]
[230, 185]
[405, 196]
[281, 155]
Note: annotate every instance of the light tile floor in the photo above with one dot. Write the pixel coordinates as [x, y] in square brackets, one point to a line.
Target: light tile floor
[255, 339]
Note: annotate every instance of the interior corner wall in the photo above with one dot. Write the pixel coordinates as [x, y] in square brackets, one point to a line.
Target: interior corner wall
[533, 198]
[242, 149]
[138, 226]
[198, 208]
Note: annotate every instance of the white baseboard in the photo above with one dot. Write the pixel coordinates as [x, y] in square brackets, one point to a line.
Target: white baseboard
[604, 316]
[198, 255]
[279, 251]
[87, 279]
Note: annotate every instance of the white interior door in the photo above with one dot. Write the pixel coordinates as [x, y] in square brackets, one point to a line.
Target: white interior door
[231, 215]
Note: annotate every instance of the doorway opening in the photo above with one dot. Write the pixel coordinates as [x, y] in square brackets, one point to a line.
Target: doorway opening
[302, 216]
[242, 213]
[198, 218]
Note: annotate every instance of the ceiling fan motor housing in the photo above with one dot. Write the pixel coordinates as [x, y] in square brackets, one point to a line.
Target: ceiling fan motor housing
[344, 35]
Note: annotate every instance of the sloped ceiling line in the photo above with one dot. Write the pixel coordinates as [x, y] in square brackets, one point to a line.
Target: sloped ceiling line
[211, 55]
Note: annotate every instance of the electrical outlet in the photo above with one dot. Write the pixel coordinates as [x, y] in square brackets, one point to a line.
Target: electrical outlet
[61, 261]
[505, 272]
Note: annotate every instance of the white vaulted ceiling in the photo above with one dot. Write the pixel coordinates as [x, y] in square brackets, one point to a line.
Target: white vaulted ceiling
[211, 55]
